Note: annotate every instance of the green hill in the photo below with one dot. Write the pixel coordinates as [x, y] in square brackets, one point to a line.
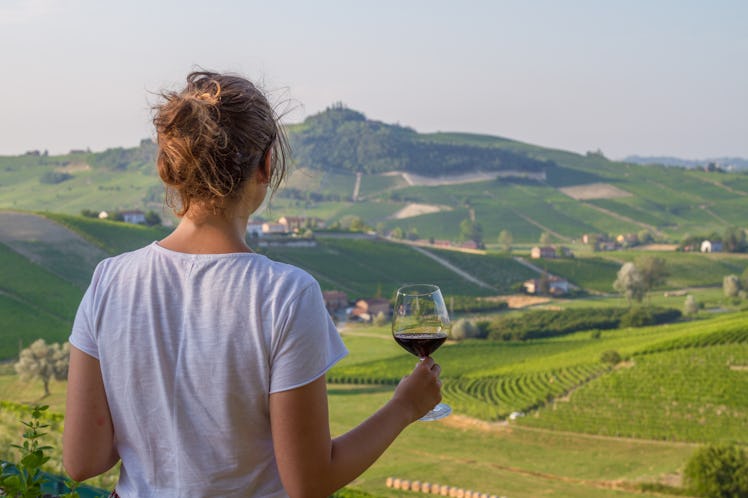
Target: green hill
[348, 165]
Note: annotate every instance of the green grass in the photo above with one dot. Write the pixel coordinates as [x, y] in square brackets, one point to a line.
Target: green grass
[111, 236]
[690, 394]
[37, 287]
[692, 269]
[656, 396]
[591, 273]
[502, 272]
[365, 268]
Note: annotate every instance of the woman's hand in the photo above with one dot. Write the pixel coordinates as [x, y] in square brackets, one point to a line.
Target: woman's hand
[420, 391]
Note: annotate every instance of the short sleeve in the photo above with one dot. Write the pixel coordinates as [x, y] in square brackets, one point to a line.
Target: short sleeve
[309, 343]
[83, 334]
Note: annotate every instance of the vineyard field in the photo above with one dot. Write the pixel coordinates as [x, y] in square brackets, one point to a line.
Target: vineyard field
[678, 369]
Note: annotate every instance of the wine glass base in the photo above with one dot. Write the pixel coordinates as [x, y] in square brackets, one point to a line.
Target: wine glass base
[439, 411]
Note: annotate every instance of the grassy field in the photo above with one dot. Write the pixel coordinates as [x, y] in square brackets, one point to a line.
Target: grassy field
[507, 460]
[365, 268]
[489, 379]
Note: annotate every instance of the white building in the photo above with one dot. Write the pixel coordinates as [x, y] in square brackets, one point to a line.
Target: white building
[709, 246]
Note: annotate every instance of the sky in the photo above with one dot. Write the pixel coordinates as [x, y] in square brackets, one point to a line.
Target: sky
[644, 77]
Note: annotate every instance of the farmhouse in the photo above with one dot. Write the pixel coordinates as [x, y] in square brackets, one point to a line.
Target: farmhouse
[546, 252]
[298, 223]
[366, 309]
[628, 239]
[274, 228]
[711, 246]
[556, 286]
[136, 217]
[335, 301]
[254, 229]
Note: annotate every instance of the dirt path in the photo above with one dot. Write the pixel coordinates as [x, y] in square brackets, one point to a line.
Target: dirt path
[356, 187]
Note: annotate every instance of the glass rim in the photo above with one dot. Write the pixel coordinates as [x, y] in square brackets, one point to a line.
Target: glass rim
[428, 289]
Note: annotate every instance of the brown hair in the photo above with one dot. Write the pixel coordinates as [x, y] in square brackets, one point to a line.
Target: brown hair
[212, 137]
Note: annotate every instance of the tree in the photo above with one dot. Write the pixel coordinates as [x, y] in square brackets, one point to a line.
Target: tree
[630, 283]
[718, 471]
[734, 240]
[44, 361]
[505, 241]
[690, 306]
[463, 329]
[471, 230]
[152, 218]
[652, 270]
[744, 279]
[644, 236]
[545, 238]
[731, 285]
[397, 233]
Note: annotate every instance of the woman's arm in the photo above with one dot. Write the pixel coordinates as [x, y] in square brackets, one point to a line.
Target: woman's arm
[311, 463]
[88, 438]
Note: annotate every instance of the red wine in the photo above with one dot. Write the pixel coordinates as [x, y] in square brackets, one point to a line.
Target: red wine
[421, 345]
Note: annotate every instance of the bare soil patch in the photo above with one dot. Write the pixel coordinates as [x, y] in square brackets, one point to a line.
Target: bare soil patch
[73, 168]
[518, 300]
[463, 422]
[433, 181]
[657, 247]
[414, 209]
[594, 191]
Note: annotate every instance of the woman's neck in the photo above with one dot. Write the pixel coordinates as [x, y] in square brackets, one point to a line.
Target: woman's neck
[208, 234]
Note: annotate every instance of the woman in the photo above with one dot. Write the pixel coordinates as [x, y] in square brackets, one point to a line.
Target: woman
[200, 364]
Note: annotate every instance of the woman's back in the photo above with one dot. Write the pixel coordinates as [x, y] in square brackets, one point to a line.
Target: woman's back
[199, 334]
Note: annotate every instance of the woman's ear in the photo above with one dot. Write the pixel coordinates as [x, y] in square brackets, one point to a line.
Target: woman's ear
[266, 168]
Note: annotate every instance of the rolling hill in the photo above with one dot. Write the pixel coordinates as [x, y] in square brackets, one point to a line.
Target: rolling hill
[390, 176]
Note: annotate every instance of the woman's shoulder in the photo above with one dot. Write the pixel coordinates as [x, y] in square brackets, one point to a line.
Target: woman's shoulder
[285, 273]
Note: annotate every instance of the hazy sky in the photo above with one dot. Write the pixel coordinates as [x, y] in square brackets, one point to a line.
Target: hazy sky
[649, 77]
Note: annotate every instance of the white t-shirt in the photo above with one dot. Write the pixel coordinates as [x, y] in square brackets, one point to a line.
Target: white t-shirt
[190, 348]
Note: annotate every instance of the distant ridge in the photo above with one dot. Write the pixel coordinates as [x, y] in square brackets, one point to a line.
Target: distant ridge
[728, 163]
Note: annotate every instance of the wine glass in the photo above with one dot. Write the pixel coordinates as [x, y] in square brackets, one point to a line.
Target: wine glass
[420, 325]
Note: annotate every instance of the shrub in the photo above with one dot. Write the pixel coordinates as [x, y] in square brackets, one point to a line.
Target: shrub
[380, 319]
[612, 357]
[637, 316]
[464, 329]
[690, 306]
[718, 471]
[54, 177]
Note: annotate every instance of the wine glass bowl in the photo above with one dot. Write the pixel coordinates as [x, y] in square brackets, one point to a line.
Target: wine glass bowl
[421, 324]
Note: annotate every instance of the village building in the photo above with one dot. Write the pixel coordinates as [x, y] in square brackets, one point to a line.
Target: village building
[136, 217]
[254, 229]
[366, 309]
[711, 246]
[292, 223]
[556, 286]
[628, 239]
[335, 301]
[546, 252]
[297, 224]
[274, 228]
